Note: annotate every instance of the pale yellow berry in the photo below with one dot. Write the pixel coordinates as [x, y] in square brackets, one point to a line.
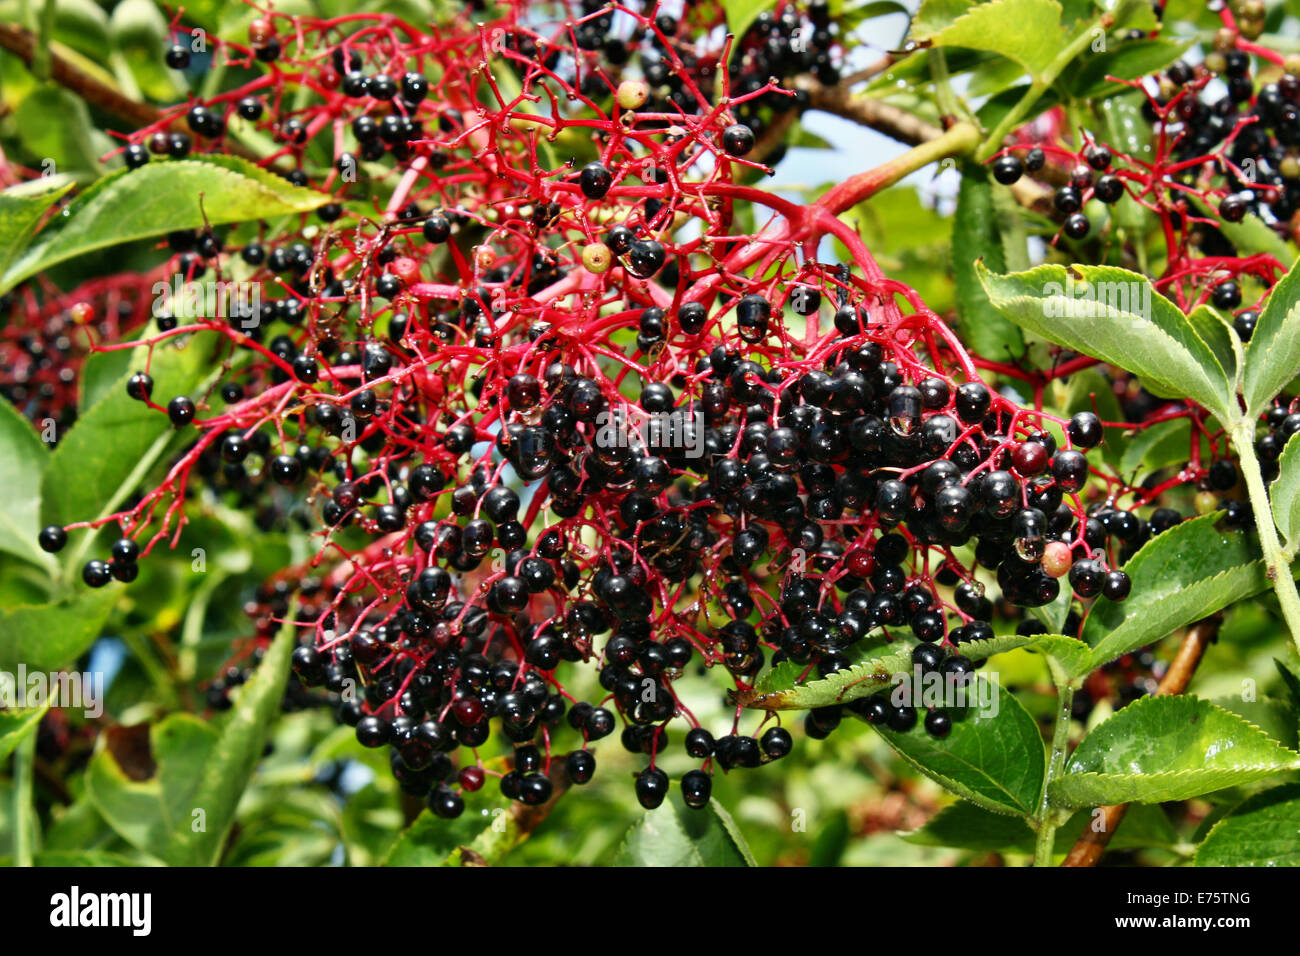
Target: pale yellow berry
[632, 94]
[597, 258]
[1206, 502]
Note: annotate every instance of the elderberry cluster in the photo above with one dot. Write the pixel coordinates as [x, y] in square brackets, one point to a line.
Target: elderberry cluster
[539, 424]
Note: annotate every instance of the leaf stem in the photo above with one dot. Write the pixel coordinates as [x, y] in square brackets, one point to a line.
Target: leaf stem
[1046, 818]
[1010, 121]
[1278, 569]
[24, 759]
[1040, 85]
[949, 105]
[40, 64]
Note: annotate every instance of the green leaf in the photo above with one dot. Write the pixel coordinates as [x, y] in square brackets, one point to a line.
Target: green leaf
[104, 371]
[784, 676]
[852, 15]
[969, 827]
[1128, 61]
[1116, 316]
[80, 858]
[23, 457]
[1253, 235]
[16, 725]
[1284, 492]
[965, 826]
[230, 765]
[1179, 576]
[935, 15]
[80, 24]
[975, 233]
[430, 840]
[1163, 444]
[675, 835]
[1167, 748]
[993, 757]
[1275, 717]
[1090, 391]
[183, 810]
[1130, 14]
[21, 208]
[840, 688]
[368, 823]
[49, 637]
[995, 109]
[1071, 656]
[100, 461]
[1292, 683]
[156, 199]
[57, 129]
[1216, 330]
[1027, 31]
[741, 13]
[1263, 831]
[146, 808]
[1273, 352]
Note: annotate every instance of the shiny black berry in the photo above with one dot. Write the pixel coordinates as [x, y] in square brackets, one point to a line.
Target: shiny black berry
[181, 411]
[52, 538]
[595, 181]
[738, 140]
[1008, 169]
[651, 787]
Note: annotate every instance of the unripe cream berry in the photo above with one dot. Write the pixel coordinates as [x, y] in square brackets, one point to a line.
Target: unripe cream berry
[1206, 502]
[597, 258]
[632, 94]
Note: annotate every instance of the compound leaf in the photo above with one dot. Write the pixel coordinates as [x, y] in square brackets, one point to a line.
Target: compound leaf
[1179, 576]
[675, 835]
[1263, 831]
[1116, 316]
[159, 198]
[1168, 748]
[1273, 352]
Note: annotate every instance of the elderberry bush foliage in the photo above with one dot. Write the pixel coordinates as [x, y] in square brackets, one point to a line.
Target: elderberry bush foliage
[473, 395]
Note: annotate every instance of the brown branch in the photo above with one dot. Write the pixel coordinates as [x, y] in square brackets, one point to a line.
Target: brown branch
[870, 72]
[1089, 848]
[22, 44]
[899, 124]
